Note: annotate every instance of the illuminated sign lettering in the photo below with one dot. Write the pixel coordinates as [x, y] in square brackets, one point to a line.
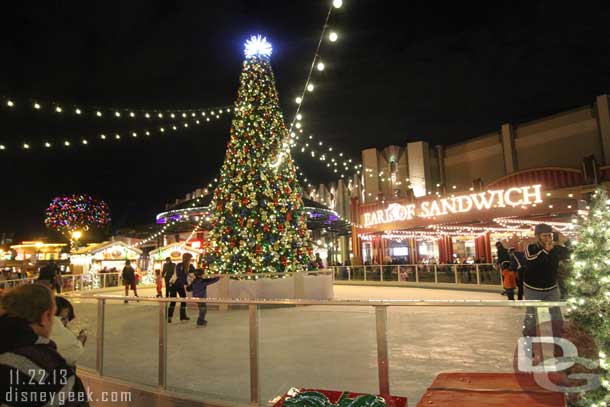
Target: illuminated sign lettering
[500, 198]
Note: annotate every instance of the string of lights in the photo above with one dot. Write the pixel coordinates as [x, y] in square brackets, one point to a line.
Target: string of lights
[38, 105]
[296, 126]
[103, 137]
[182, 213]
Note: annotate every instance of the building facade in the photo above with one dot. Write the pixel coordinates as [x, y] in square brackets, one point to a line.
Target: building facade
[566, 155]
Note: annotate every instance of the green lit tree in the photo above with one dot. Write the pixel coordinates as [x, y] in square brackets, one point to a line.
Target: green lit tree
[258, 222]
[589, 301]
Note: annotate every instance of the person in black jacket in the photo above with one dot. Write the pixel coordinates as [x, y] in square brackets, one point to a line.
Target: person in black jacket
[129, 279]
[51, 275]
[168, 271]
[177, 287]
[32, 372]
[540, 277]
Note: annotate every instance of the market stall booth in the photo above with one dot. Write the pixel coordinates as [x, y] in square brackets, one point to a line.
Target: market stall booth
[100, 258]
[174, 251]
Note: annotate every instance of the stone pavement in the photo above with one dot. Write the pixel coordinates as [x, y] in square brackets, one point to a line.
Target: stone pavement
[330, 347]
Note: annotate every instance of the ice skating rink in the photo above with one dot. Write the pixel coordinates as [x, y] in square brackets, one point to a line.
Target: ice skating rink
[330, 347]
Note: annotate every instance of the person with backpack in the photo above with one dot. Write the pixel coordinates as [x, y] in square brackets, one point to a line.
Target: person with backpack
[129, 279]
[199, 286]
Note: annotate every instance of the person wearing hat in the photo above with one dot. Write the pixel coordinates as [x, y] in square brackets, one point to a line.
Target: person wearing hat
[540, 278]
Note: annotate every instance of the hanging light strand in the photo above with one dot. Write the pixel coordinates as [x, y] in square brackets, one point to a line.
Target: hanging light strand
[36, 104]
[102, 137]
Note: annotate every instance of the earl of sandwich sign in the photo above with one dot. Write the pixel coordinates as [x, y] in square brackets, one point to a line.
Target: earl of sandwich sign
[499, 198]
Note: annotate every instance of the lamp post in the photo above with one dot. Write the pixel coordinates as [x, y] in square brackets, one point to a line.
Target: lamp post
[77, 234]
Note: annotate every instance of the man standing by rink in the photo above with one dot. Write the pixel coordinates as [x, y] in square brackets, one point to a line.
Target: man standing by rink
[541, 272]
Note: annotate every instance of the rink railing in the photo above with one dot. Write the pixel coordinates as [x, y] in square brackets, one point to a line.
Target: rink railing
[430, 274]
[254, 306]
[74, 282]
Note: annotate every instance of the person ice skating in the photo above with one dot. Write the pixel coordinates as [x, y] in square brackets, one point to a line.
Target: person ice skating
[168, 271]
[200, 288]
[129, 279]
[509, 280]
[70, 346]
[159, 283]
[178, 283]
[540, 277]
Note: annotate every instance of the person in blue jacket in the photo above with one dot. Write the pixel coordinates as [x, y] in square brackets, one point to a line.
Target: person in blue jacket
[517, 263]
[200, 290]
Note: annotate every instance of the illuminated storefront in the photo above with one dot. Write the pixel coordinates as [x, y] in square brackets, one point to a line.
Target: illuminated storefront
[107, 255]
[463, 227]
[174, 251]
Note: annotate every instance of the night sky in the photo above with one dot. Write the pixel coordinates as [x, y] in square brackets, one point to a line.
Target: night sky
[401, 71]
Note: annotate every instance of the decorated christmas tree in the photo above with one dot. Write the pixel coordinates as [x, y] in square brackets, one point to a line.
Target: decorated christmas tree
[258, 222]
[589, 290]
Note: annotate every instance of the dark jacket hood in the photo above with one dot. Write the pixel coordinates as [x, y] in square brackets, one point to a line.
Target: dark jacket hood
[15, 333]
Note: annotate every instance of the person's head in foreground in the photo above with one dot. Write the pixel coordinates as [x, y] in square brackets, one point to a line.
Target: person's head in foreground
[32, 303]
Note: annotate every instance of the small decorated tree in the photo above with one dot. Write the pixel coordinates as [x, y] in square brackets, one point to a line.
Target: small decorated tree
[258, 224]
[73, 214]
[589, 289]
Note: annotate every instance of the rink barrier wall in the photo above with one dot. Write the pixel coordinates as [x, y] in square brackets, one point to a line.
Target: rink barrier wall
[381, 316]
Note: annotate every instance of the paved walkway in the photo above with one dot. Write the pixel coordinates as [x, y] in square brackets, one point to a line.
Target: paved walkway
[331, 347]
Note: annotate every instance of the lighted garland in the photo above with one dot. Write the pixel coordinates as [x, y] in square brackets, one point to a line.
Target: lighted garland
[589, 294]
[69, 213]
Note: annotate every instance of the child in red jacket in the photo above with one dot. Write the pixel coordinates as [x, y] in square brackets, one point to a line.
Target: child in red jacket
[509, 280]
[159, 282]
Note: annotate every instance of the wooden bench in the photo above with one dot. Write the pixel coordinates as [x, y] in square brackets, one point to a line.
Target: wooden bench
[488, 390]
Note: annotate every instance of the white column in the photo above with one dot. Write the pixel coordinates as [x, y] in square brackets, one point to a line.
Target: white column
[508, 147]
[603, 119]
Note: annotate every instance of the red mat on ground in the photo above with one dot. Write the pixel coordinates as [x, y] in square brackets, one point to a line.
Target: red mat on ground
[334, 396]
[488, 390]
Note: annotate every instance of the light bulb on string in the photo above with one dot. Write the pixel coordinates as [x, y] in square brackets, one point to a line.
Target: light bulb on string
[320, 66]
[58, 109]
[298, 100]
[310, 87]
[36, 106]
[333, 36]
[98, 113]
[77, 111]
[117, 114]
[10, 103]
